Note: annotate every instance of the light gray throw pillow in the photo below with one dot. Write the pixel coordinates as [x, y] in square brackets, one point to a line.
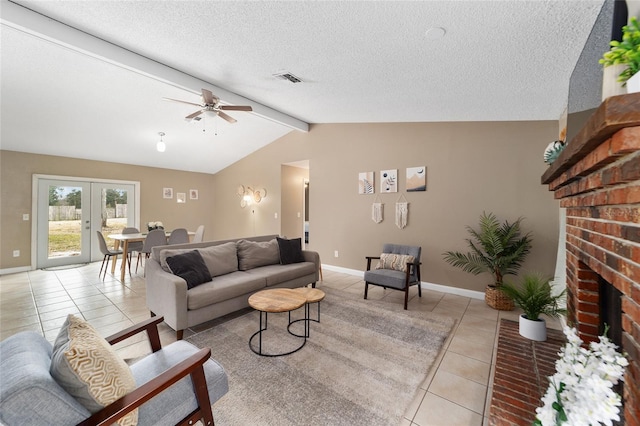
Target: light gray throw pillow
[252, 254]
[221, 259]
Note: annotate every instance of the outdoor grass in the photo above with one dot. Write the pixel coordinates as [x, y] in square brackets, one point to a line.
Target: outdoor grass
[64, 235]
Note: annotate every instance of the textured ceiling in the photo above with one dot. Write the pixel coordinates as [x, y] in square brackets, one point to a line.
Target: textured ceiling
[361, 61]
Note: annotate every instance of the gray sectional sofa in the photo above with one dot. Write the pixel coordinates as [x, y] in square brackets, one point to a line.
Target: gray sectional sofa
[237, 268]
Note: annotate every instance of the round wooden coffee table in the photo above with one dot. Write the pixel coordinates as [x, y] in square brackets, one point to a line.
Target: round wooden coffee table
[276, 300]
[312, 295]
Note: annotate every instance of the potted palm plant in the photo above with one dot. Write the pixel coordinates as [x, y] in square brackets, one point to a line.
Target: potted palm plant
[626, 53]
[496, 248]
[534, 296]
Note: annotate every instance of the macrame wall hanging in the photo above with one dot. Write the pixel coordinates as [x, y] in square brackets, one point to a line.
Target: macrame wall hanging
[402, 212]
[377, 211]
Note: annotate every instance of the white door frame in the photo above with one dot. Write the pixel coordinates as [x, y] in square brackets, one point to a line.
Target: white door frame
[34, 203]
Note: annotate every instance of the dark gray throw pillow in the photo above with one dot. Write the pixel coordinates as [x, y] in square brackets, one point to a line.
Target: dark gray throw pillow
[191, 267]
[290, 250]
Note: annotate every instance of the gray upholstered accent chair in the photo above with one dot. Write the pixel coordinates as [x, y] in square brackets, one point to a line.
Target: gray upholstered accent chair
[393, 271]
[175, 385]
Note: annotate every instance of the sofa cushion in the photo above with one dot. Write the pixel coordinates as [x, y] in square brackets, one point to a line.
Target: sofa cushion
[290, 250]
[276, 274]
[397, 262]
[190, 267]
[252, 254]
[223, 288]
[89, 369]
[221, 259]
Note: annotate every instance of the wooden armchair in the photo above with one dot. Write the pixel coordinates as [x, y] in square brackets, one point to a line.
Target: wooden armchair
[398, 268]
[175, 385]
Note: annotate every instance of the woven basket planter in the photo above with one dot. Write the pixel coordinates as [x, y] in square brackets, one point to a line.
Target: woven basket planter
[495, 298]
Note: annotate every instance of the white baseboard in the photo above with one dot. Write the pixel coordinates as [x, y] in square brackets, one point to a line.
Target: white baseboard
[8, 271]
[428, 286]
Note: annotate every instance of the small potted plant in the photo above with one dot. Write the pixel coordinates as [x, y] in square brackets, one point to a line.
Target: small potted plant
[498, 249]
[627, 54]
[534, 295]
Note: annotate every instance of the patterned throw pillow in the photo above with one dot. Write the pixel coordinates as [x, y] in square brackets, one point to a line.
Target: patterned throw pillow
[89, 369]
[396, 262]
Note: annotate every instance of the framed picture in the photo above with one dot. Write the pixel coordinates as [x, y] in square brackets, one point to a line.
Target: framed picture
[365, 183]
[181, 197]
[416, 179]
[389, 180]
[167, 193]
[193, 194]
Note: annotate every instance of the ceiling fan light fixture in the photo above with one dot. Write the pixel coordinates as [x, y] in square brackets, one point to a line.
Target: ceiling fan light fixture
[161, 146]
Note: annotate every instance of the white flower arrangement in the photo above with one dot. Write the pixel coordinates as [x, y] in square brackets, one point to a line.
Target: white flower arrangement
[581, 391]
[154, 225]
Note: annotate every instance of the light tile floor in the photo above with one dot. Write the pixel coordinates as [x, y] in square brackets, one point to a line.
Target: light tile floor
[456, 391]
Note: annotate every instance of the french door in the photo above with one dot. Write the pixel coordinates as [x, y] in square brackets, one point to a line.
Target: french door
[69, 212]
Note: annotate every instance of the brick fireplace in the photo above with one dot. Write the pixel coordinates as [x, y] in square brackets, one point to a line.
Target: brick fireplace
[597, 179]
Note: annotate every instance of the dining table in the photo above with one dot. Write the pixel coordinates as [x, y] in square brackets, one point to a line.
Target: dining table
[124, 240]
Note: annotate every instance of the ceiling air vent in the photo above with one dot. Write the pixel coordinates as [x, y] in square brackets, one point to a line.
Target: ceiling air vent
[287, 76]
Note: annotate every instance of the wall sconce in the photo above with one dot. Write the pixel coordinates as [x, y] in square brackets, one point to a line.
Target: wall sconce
[249, 195]
[161, 145]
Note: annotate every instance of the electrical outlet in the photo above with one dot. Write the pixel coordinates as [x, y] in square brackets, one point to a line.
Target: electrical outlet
[298, 214]
[16, 253]
[335, 253]
[275, 215]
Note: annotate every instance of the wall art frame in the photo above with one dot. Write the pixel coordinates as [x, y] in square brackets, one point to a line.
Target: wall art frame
[389, 180]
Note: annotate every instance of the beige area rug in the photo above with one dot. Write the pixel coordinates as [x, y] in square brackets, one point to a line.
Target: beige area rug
[362, 364]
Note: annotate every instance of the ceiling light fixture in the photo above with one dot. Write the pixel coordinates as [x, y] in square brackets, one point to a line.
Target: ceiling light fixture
[161, 145]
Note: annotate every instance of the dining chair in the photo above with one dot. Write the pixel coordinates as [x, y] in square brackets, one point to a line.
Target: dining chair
[179, 236]
[199, 234]
[108, 254]
[157, 237]
[131, 247]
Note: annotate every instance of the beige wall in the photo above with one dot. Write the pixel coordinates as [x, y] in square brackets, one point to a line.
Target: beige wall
[16, 170]
[471, 168]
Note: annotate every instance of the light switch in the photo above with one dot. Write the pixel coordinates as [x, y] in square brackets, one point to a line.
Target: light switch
[25, 216]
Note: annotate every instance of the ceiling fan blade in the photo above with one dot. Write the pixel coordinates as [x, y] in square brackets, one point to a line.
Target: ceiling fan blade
[227, 117]
[236, 107]
[182, 102]
[208, 97]
[195, 114]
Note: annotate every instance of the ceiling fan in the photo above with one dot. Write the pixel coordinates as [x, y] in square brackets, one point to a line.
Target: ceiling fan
[211, 103]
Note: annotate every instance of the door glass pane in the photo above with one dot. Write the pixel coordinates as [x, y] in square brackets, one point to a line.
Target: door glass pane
[65, 226]
[114, 211]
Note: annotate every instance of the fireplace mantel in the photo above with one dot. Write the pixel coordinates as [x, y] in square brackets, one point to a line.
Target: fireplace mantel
[597, 179]
[613, 114]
